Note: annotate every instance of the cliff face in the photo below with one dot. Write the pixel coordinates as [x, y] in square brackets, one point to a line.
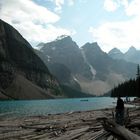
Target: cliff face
[65, 51]
[19, 65]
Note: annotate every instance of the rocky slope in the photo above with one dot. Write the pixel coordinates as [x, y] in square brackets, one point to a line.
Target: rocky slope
[68, 81]
[66, 51]
[65, 60]
[109, 72]
[104, 65]
[23, 75]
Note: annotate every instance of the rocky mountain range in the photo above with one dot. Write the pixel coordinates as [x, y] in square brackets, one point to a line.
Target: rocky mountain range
[81, 71]
[132, 55]
[66, 63]
[85, 68]
[23, 75]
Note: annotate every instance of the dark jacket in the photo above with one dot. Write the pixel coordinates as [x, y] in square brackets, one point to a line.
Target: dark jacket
[120, 104]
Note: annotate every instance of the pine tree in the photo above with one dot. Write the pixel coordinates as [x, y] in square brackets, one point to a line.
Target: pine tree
[128, 88]
[138, 81]
[138, 71]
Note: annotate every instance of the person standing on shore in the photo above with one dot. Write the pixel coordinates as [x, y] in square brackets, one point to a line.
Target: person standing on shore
[119, 116]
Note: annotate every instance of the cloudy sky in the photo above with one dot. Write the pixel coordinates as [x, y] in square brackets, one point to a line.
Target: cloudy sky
[111, 23]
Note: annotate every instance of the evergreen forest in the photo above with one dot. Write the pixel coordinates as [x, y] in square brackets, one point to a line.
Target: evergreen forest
[129, 88]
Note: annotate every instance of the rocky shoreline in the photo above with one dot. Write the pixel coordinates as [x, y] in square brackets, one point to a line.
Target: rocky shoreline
[85, 125]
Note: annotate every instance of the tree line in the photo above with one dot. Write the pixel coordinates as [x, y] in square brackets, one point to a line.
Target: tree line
[129, 88]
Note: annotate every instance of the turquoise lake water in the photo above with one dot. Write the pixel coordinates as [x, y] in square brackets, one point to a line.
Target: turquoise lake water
[44, 107]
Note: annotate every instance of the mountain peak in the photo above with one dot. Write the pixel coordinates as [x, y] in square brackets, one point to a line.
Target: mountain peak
[64, 37]
[39, 46]
[114, 51]
[18, 62]
[131, 49]
[93, 46]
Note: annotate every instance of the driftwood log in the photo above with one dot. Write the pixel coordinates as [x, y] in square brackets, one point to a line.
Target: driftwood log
[69, 126]
[121, 131]
[134, 124]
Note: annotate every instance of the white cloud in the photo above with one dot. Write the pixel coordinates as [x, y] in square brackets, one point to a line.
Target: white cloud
[36, 34]
[121, 34]
[133, 8]
[117, 34]
[34, 22]
[26, 10]
[124, 3]
[110, 5]
[59, 4]
[83, 1]
[71, 2]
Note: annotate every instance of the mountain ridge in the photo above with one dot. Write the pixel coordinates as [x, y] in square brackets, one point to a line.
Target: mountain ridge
[98, 71]
[20, 65]
[131, 55]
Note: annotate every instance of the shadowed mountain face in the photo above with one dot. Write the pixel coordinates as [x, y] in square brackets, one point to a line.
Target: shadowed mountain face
[63, 74]
[98, 59]
[92, 69]
[23, 75]
[104, 65]
[132, 55]
[66, 52]
[65, 61]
